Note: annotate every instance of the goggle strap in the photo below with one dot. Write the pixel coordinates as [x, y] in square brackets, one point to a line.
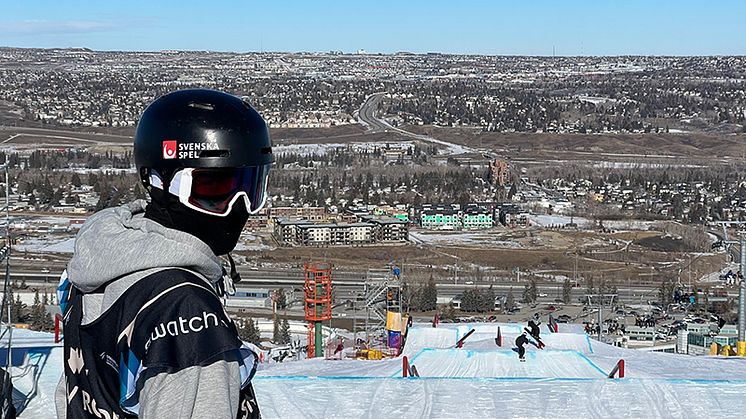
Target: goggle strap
[155, 180]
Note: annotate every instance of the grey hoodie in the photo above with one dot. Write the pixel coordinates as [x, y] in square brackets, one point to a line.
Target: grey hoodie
[120, 245]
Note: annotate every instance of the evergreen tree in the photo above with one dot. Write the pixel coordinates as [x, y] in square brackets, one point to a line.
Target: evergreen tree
[276, 330]
[489, 299]
[566, 291]
[280, 299]
[429, 296]
[534, 290]
[37, 313]
[16, 313]
[75, 180]
[285, 331]
[526, 294]
[509, 301]
[410, 297]
[665, 292]
[470, 300]
[249, 332]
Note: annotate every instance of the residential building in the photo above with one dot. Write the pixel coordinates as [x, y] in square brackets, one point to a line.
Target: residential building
[308, 213]
[370, 230]
[441, 217]
[389, 229]
[477, 218]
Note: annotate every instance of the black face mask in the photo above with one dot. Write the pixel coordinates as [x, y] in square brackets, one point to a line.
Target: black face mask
[220, 233]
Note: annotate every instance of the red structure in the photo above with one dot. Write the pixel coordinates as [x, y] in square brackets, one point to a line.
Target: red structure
[57, 329]
[498, 172]
[619, 368]
[317, 303]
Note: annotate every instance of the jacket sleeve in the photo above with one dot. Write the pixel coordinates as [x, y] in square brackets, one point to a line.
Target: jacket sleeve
[196, 392]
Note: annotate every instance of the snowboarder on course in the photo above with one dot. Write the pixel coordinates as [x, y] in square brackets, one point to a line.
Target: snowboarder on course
[534, 331]
[520, 342]
[146, 334]
[533, 328]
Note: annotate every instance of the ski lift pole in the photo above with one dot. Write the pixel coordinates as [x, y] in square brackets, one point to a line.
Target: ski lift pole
[6, 256]
[741, 344]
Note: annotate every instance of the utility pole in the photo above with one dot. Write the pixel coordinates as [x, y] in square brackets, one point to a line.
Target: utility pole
[741, 344]
[5, 254]
[575, 271]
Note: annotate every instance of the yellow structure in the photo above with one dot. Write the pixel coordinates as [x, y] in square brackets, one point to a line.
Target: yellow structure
[372, 354]
[727, 350]
[393, 321]
[714, 349]
[741, 348]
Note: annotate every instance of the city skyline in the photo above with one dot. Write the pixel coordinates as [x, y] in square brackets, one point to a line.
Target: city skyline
[479, 27]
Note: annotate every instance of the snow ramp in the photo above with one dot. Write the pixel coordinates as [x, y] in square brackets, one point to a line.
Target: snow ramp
[465, 363]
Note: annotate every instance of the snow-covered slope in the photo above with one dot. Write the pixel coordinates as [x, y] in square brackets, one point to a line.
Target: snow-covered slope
[36, 378]
[567, 379]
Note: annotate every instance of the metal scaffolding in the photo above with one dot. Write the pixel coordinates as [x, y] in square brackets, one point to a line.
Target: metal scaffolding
[382, 293]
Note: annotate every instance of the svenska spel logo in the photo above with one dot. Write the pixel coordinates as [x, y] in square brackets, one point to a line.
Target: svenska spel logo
[169, 149]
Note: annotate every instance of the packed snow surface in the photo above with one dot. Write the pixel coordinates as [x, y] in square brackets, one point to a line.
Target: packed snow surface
[567, 379]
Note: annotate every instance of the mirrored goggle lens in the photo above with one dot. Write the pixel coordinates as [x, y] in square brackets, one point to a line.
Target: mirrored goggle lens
[213, 190]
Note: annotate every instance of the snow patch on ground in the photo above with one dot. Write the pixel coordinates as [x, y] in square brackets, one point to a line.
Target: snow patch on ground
[323, 149]
[559, 220]
[480, 239]
[639, 165]
[47, 245]
[630, 224]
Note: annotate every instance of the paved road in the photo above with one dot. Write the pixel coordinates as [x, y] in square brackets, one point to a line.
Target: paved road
[347, 284]
[368, 113]
[14, 135]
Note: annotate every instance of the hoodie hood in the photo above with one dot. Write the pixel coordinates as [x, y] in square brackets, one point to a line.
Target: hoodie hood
[116, 242]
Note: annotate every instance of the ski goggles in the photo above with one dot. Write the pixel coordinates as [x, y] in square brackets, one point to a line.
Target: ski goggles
[214, 190]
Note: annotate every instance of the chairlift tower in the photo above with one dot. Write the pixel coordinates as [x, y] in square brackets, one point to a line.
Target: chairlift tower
[5, 308]
[601, 300]
[741, 344]
[7, 385]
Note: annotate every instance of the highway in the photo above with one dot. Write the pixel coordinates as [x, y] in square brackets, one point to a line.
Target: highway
[367, 114]
[61, 138]
[349, 283]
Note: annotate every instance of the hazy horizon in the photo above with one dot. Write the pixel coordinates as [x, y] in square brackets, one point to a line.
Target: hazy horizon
[539, 28]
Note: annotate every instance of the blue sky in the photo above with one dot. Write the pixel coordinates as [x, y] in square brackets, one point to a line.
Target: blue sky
[530, 27]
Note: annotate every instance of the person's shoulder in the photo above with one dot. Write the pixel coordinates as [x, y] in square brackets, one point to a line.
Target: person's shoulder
[168, 280]
[164, 290]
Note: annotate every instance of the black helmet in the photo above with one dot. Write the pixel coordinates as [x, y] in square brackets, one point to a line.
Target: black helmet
[200, 128]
